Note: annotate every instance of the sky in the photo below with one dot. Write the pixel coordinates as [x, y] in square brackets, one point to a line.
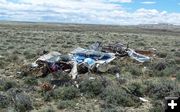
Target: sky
[114, 12]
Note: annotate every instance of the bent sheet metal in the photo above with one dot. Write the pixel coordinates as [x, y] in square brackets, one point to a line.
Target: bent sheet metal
[91, 57]
[139, 57]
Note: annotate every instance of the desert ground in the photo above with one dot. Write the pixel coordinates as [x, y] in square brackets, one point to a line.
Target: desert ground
[22, 43]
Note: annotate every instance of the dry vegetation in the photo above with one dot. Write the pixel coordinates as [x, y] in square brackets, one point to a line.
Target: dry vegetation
[22, 43]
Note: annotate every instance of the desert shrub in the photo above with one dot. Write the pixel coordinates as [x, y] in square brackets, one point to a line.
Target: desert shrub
[11, 47]
[121, 81]
[137, 89]
[171, 61]
[161, 88]
[54, 45]
[157, 107]
[114, 70]
[66, 104]
[6, 84]
[49, 109]
[91, 88]
[177, 53]
[22, 102]
[47, 95]
[10, 109]
[166, 72]
[165, 43]
[109, 110]
[118, 96]
[162, 54]
[66, 93]
[177, 60]
[178, 76]
[135, 70]
[31, 81]
[61, 75]
[89, 42]
[70, 93]
[177, 43]
[163, 68]
[4, 101]
[141, 43]
[13, 57]
[70, 42]
[2, 64]
[160, 66]
[66, 46]
[29, 54]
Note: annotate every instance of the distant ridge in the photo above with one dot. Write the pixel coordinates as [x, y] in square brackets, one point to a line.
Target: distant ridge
[166, 26]
[156, 25]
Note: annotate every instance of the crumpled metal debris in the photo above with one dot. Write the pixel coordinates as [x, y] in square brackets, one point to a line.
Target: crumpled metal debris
[91, 58]
[143, 99]
[118, 48]
[74, 71]
[51, 57]
[121, 50]
[52, 63]
[137, 56]
[47, 60]
[97, 46]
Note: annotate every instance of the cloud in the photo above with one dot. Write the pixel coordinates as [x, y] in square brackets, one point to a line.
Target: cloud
[148, 2]
[82, 11]
[60, 4]
[121, 1]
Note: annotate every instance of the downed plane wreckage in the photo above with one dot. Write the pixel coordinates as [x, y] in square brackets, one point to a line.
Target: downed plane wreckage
[80, 60]
[55, 61]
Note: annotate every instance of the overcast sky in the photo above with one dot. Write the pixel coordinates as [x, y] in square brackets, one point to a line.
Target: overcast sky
[120, 12]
